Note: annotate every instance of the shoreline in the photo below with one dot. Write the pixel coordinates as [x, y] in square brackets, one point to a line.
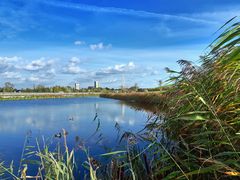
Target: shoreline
[150, 98]
[154, 102]
[33, 96]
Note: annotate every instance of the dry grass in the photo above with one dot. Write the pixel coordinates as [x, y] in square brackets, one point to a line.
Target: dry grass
[150, 98]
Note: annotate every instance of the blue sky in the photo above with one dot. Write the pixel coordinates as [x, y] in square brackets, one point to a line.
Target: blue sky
[57, 42]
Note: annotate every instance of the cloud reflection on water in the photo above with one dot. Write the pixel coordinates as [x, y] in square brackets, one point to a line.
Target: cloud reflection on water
[16, 118]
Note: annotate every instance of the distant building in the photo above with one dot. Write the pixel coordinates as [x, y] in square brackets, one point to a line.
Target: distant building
[77, 86]
[96, 84]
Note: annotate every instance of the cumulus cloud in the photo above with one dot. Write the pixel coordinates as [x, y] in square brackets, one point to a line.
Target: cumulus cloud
[99, 46]
[36, 79]
[74, 60]
[73, 70]
[41, 77]
[50, 72]
[78, 43]
[44, 71]
[10, 59]
[73, 66]
[108, 75]
[40, 64]
[7, 63]
[117, 69]
[33, 79]
[3, 66]
[110, 81]
[11, 75]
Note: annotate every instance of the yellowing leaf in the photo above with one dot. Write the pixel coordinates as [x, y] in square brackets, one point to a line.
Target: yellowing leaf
[232, 173]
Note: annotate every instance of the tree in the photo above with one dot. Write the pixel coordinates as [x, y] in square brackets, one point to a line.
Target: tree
[41, 88]
[8, 87]
[134, 88]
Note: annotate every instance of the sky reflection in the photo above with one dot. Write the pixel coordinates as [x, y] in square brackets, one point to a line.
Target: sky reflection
[76, 115]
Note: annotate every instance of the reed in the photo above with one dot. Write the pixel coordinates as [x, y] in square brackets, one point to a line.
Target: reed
[202, 116]
[203, 113]
[148, 98]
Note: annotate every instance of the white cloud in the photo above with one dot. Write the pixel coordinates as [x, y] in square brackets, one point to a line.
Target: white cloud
[36, 79]
[75, 60]
[40, 64]
[8, 63]
[78, 43]
[73, 66]
[113, 74]
[11, 75]
[99, 46]
[10, 59]
[39, 78]
[117, 69]
[18, 71]
[110, 81]
[73, 70]
[124, 67]
[51, 72]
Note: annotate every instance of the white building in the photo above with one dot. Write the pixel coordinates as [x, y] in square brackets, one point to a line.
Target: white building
[77, 86]
[96, 84]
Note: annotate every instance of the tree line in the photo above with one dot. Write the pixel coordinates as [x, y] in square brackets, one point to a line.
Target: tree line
[10, 87]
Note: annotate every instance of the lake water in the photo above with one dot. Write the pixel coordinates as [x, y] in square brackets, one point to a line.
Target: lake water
[78, 116]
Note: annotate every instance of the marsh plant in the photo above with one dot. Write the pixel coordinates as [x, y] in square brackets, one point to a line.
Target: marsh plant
[203, 113]
[201, 109]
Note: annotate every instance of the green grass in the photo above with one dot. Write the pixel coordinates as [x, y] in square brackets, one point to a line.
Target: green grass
[49, 96]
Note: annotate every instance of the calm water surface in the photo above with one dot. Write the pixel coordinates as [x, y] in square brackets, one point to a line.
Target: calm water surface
[76, 115]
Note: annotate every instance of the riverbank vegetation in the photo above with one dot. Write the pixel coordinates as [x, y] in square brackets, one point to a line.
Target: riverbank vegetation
[203, 114]
[148, 98]
[10, 88]
[32, 96]
[196, 137]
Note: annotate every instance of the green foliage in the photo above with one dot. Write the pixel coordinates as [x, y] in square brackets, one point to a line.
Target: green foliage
[201, 110]
[8, 87]
[203, 116]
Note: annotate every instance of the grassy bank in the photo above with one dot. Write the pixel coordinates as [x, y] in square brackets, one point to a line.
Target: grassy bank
[151, 98]
[32, 96]
[154, 102]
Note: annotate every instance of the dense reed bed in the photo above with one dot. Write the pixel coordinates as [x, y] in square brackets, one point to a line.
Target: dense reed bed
[196, 137]
[202, 115]
[148, 98]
